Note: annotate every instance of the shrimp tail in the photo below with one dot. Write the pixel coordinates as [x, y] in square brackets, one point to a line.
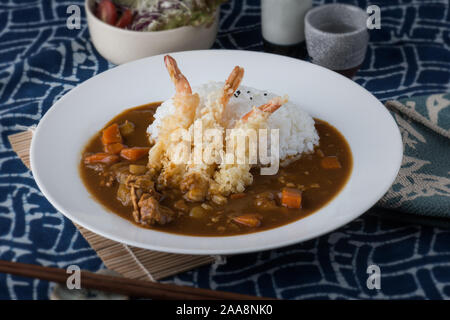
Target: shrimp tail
[269, 107]
[232, 83]
[182, 86]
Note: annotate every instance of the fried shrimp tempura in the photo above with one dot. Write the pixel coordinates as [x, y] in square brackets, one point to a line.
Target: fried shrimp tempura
[204, 173]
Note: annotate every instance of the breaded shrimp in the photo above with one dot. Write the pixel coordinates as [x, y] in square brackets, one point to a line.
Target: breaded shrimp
[233, 178]
[185, 103]
[199, 175]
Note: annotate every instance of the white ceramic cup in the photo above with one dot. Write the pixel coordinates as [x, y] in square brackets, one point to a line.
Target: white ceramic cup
[283, 21]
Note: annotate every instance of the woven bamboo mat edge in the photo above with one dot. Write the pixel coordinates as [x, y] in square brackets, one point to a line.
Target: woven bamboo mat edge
[131, 262]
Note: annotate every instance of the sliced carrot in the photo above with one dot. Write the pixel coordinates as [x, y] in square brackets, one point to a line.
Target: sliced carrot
[291, 198]
[134, 153]
[237, 195]
[105, 158]
[111, 134]
[114, 148]
[249, 220]
[331, 162]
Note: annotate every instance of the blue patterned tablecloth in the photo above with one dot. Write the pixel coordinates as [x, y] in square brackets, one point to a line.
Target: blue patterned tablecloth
[41, 60]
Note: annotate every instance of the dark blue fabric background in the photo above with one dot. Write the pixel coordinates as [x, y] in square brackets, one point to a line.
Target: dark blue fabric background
[41, 60]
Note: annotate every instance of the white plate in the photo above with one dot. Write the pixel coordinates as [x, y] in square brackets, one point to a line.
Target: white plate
[373, 136]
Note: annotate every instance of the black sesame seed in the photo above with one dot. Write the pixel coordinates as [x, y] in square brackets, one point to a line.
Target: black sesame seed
[265, 94]
[248, 91]
[251, 98]
[238, 92]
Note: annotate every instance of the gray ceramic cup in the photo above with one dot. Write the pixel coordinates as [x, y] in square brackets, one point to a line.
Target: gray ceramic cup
[336, 36]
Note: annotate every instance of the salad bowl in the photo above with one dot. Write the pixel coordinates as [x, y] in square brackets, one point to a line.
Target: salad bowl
[119, 45]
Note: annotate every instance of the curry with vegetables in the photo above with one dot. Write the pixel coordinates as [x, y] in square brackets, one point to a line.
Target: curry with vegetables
[114, 170]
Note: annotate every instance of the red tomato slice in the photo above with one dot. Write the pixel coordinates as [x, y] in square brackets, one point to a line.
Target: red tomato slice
[125, 19]
[106, 11]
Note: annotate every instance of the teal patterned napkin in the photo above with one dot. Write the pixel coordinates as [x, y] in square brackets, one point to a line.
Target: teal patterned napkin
[423, 183]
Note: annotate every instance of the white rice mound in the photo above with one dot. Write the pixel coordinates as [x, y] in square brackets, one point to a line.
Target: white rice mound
[296, 127]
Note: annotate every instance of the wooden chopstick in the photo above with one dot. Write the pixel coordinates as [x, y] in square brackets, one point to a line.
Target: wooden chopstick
[129, 287]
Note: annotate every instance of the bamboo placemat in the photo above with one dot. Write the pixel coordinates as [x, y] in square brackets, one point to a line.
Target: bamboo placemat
[131, 262]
